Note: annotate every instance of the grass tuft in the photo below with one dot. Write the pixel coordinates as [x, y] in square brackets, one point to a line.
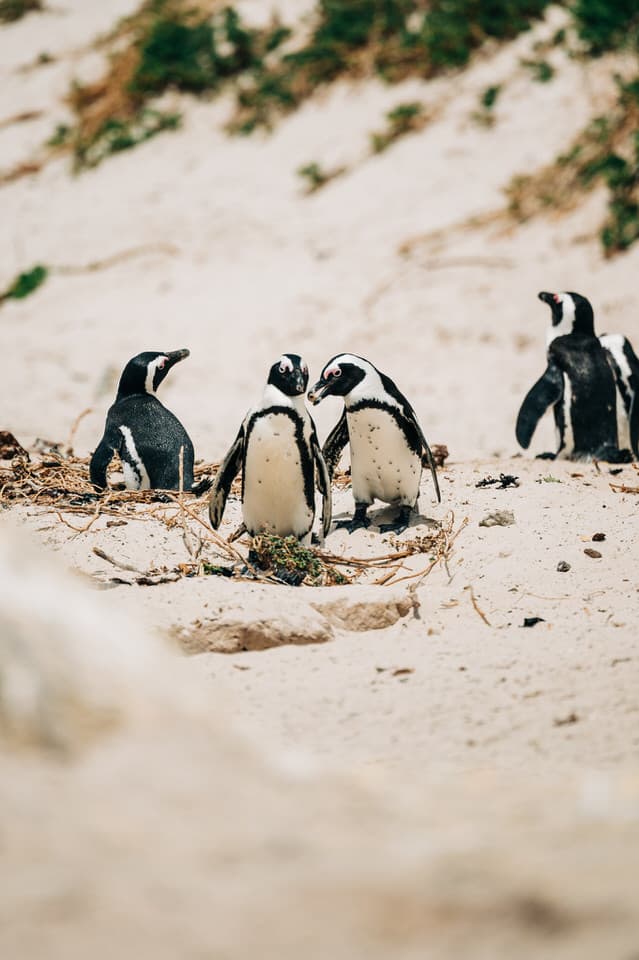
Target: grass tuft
[25, 284]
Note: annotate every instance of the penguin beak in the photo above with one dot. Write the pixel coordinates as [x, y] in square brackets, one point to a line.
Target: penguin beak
[319, 391]
[548, 298]
[176, 355]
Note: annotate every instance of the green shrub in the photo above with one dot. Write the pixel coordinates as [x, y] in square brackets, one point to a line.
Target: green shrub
[11, 10]
[607, 24]
[403, 119]
[115, 135]
[194, 57]
[25, 283]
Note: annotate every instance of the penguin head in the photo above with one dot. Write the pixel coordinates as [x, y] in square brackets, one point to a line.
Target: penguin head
[145, 373]
[289, 374]
[571, 313]
[340, 375]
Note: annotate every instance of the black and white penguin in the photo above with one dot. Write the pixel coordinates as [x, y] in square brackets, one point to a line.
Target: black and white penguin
[625, 366]
[578, 383]
[281, 461]
[386, 440]
[147, 436]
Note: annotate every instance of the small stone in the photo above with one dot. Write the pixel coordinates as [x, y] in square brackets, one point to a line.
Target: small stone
[592, 553]
[499, 518]
[598, 537]
[563, 567]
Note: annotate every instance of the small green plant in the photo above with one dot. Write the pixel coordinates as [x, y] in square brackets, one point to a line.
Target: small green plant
[25, 283]
[487, 100]
[114, 136]
[11, 10]
[60, 136]
[549, 479]
[489, 97]
[403, 119]
[316, 177]
[288, 560]
[541, 70]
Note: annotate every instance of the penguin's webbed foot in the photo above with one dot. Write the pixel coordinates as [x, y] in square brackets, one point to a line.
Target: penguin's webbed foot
[615, 455]
[399, 524]
[546, 456]
[359, 519]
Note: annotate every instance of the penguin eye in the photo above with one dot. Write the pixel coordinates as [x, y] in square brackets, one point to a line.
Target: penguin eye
[282, 368]
[337, 372]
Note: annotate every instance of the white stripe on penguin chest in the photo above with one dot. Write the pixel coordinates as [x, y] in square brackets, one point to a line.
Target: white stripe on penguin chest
[274, 499]
[382, 464]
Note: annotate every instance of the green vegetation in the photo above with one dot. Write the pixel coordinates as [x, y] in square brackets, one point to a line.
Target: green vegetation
[485, 116]
[288, 560]
[403, 119]
[392, 38]
[541, 70]
[316, 177]
[25, 284]
[167, 45]
[11, 10]
[604, 25]
[117, 135]
[607, 150]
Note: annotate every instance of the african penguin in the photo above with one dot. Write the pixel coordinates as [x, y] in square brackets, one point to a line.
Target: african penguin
[578, 383]
[281, 461]
[147, 436]
[386, 440]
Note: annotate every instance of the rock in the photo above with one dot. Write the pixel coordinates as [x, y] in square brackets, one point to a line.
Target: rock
[592, 553]
[598, 537]
[238, 629]
[351, 611]
[498, 518]
[563, 566]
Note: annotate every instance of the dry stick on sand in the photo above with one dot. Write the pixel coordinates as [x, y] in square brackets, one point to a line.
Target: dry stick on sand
[473, 600]
[74, 429]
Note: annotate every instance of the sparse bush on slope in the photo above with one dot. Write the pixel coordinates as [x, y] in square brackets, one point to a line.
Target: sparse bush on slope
[167, 44]
[607, 151]
[11, 10]
[391, 38]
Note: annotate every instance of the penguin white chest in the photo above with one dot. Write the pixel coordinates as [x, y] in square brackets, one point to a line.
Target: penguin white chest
[382, 464]
[274, 497]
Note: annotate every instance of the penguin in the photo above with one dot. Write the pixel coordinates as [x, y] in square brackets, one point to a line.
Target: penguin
[146, 435]
[386, 440]
[281, 461]
[625, 367]
[579, 384]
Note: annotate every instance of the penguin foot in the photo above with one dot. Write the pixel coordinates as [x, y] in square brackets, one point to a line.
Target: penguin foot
[546, 456]
[359, 519]
[614, 455]
[399, 524]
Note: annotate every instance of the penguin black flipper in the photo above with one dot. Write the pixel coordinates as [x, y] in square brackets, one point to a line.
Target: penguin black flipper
[545, 393]
[323, 480]
[413, 422]
[335, 443]
[229, 469]
[103, 454]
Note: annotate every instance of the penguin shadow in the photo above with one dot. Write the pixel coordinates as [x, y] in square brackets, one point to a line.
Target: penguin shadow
[386, 520]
